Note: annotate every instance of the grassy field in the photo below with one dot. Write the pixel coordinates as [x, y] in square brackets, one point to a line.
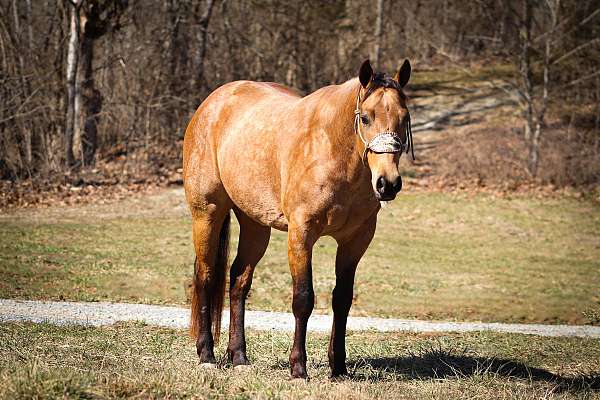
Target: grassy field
[136, 361]
[435, 256]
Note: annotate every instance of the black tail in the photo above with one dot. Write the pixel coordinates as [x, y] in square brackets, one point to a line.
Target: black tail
[216, 287]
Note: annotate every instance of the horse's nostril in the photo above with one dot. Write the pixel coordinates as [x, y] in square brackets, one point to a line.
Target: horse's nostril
[398, 184]
[380, 185]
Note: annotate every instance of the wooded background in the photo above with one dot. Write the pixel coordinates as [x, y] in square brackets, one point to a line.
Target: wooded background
[84, 82]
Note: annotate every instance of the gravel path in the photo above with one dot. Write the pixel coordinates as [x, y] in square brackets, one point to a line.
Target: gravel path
[98, 314]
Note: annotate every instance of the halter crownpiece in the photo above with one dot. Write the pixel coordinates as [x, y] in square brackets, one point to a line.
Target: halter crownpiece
[384, 142]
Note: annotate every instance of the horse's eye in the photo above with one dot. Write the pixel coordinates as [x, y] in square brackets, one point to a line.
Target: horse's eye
[365, 119]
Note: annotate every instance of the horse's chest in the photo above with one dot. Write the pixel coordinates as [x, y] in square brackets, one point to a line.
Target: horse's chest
[348, 216]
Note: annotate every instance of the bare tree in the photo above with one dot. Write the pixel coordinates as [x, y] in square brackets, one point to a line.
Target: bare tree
[525, 66]
[128, 90]
[172, 10]
[96, 18]
[553, 7]
[26, 127]
[376, 56]
[72, 65]
[534, 99]
[202, 36]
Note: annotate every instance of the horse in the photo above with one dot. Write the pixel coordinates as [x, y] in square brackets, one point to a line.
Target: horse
[312, 166]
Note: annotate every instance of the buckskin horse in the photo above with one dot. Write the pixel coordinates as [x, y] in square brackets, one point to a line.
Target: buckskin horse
[312, 166]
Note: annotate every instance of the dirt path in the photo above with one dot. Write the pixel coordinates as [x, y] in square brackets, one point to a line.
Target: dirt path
[98, 314]
[447, 106]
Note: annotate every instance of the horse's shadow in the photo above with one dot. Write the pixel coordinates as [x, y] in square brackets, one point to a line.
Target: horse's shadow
[441, 364]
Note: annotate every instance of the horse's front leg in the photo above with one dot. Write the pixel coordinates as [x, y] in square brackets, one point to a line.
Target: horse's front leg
[300, 243]
[349, 252]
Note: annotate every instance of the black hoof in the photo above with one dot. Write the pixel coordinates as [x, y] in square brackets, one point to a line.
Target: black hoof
[299, 372]
[339, 374]
[237, 358]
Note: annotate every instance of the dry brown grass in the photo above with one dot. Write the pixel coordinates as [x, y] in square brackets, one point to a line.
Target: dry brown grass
[134, 361]
[495, 154]
[434, 256]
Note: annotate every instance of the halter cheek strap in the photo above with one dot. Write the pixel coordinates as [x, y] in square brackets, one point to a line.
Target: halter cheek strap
[383, 142]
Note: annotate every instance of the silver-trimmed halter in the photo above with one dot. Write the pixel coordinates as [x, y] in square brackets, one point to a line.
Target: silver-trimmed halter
[386, 141]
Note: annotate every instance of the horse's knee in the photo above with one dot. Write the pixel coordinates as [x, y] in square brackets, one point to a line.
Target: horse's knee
[240, 278]
[342, 299]
[303, 301]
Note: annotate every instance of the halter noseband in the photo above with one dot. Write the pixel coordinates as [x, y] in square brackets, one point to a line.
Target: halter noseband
[386, 141]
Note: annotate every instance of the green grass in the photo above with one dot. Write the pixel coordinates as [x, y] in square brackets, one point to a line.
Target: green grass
[137, 361]
[435, 256]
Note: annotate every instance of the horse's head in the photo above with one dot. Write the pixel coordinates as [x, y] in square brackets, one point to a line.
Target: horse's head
[382, 122]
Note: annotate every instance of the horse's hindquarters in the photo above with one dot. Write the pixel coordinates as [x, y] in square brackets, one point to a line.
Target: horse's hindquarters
[248, 151]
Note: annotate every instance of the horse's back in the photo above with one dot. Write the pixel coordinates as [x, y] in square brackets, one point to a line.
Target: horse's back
[233, 143]
[229, 103]
[249, 94]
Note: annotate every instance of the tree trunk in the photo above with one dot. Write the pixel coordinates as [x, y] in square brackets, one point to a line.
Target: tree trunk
[72, 64]
[202, 37]
[526, 68]
[232, 53]
[375, 58]
[170, 111]
[172, 9]
[78, 114]
[29, 27]
[345, 29]
[96, 20]
[26, 127]
[91, 102]
[534, 149]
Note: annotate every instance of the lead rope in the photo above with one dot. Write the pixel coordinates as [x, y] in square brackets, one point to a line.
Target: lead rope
[409, 138]
[357, 121]
[357, 128]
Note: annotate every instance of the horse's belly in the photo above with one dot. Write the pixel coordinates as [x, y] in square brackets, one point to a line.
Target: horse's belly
[259, 205]
[251, 182]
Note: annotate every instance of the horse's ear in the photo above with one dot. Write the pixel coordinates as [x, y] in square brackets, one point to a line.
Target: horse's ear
[403, 74]
[366, 73]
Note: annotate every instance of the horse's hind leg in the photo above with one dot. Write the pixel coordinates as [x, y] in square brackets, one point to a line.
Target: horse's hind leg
[210, 231]
[253, 242]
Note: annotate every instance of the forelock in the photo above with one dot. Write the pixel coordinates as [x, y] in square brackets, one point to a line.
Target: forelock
[380, 80]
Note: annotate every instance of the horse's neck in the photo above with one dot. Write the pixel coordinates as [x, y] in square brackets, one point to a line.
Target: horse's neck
[341, 124]
[332, 109]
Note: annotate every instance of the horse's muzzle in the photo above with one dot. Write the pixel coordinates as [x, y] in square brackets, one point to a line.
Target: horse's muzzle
[386, 190]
